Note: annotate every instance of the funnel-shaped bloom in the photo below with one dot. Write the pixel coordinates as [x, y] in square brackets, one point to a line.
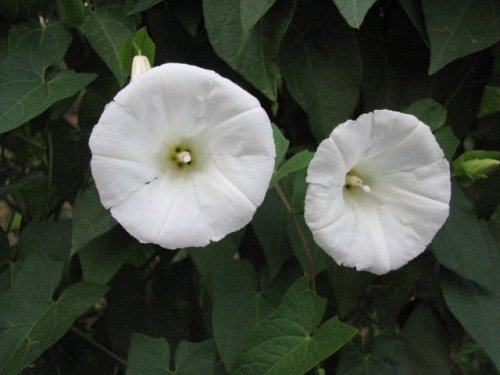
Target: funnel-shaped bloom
[379, 190]
[182, 156]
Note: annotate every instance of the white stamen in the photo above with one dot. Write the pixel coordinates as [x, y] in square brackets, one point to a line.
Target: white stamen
[355, 181]
[184, 156]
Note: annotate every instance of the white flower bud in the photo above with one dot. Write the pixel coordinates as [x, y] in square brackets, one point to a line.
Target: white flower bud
[140, 65]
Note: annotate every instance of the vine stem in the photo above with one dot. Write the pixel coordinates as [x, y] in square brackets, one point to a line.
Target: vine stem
[300, 232]
[117, 358]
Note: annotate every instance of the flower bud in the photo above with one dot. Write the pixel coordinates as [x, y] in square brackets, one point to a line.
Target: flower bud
[479, 168]
[140, 65]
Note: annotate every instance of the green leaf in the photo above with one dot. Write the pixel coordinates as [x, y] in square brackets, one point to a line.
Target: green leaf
[255, 56]
[354, 11]
[30, 321]
[427, 345]
[51, 239]
[151, 356]
[413, 9]
[193, 358]
[281, 144]
[448, 141]
[459, 28]
[142, 44]
[429, 112]
[102, 257]
[105, 28]
[71, 156]
[270, 227]
[251, 11]
[72, 12]
[238, 305]
[296, 163]
[289, 340]
[27, 86]
[477, 309]
[321, 261]
[490, 103]
[148, 355]
[29, 326]
[90, 218]
[321, 65]
[142, 5]
[466, 246]
[382, 357]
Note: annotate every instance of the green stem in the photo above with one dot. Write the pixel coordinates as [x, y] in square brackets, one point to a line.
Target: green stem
[50, 165]
[117, 358]
[300, 232]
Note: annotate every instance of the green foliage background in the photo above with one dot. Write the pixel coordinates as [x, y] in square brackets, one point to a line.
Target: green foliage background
[78, 295]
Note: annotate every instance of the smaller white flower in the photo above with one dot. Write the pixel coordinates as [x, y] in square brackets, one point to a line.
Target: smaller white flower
[182, 156]
[379, 190]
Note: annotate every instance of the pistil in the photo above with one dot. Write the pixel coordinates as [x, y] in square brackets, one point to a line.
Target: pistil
[355, 181]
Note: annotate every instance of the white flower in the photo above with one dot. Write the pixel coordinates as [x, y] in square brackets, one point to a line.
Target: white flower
[379, 190]
[182, 156]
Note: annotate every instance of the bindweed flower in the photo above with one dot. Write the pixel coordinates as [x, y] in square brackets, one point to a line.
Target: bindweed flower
[182, 156]
[379, 190]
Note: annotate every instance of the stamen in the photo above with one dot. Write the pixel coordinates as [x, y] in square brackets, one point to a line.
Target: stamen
[183, 156]
[355, 181]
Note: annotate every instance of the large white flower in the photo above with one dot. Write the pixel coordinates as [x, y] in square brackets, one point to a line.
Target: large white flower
[182, 156]
[379, 190]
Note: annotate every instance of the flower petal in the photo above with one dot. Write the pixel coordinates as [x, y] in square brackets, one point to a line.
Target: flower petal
[225, 208]
[164, 212]
[118, 179]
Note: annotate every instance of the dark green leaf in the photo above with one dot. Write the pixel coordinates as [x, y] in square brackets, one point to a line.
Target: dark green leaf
[321, 261]
[151, 356]
[102, 257]
[25, 87]
[90, 218]
[30, 321]
[490, 103]
[296, 163]
[382, 357]
[142, 44]
[427, 344]
[459, 28]
[251, 11]
[255, 57]
[105, 28]
[429, 112]
[281, 144]
[477, 309]
[354, 11]
[321, 65]
[194, 358]
[142, 5]
[148, 355]
[289, 340]
[448, 141]
[71, 157]
[72, 12]
[466, 246]
[413, 9]
[27, 329]
[238, 305]
[270, 227]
